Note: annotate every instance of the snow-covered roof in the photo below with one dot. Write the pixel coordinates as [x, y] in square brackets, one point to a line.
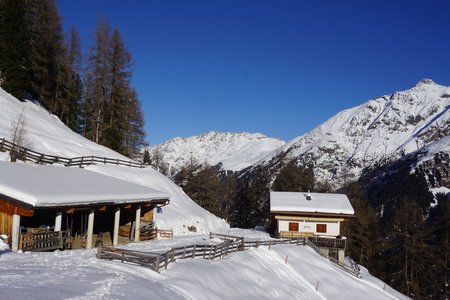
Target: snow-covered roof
[316, 203]
[45, 186]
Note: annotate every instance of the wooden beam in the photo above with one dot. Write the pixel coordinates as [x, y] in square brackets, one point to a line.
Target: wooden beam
[90, 229]
[128, 206]
[116, 227]
[70, 210]
[103, 208]
[11, 209]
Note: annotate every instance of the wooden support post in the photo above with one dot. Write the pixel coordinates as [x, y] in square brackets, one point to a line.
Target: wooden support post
[137, 230]
[116, 227]
[157, 263]
[58, 221]
[90, 229]
[15, 232]
[99, 251]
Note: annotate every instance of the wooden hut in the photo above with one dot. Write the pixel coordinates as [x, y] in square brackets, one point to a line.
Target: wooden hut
[71, 202]
[317, 216]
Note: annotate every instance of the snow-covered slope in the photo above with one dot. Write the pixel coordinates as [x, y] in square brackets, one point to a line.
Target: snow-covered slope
[46, 133]
[281, 272]
[389, 125]
[235, 151]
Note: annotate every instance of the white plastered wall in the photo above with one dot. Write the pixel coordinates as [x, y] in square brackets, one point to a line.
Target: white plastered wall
[333, 228]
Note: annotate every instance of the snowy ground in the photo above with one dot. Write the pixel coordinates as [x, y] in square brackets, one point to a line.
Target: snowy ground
[258, 273]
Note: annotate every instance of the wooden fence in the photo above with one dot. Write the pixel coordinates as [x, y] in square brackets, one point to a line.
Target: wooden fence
[229, 245]
[154, 261]
[44, 241]
[80, 161]
[146, 232]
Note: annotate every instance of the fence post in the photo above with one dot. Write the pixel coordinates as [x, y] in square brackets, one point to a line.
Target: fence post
[193, 252]
[61, 242]
[99, 251]
[210, 235]
[157, 261]
[242, 247]
[166, 263]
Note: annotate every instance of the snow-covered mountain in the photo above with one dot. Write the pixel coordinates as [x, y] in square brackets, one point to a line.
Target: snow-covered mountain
[45, 133]
[235, 151]
[391, 125]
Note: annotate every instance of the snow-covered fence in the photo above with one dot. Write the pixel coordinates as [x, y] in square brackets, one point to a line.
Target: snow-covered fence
[80, 161]
[153, 261]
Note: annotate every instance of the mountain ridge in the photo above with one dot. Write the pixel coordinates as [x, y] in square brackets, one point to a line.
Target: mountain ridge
[391, 125]
[233, 150]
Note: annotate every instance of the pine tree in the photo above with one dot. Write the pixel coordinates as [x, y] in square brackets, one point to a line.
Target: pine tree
[134, 133]
[75, 101]
[15, 65]
[98, 83]
[46, 42]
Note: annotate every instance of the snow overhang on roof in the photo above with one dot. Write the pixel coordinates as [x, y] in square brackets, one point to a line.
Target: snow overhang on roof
[297, 202]
[49, 186]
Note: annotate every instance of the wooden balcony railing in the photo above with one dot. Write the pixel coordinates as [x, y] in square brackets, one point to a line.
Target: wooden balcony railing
[328, 242]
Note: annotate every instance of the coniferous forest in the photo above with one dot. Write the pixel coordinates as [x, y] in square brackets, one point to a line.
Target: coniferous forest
[91, 93]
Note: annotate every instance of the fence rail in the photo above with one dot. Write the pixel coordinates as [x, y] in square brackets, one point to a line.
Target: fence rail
[80, 161]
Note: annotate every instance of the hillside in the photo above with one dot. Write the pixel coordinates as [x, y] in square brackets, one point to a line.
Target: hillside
[258, 273]
[45, 133]
[234, 151]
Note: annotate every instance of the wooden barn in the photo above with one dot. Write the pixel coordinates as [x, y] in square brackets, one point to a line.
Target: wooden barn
[317, 216]
[54, 205]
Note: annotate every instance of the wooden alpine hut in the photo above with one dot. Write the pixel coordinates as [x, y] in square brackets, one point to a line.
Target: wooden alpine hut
[52, 205]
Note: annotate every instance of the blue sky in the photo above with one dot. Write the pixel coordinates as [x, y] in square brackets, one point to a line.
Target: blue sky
[277, 67]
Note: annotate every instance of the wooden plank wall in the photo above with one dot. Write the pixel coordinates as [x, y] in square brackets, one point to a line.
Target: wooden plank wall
[5, 223]
[148, 216]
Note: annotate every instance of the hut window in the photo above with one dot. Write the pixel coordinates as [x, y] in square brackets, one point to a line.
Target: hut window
[293, 226]
[322, 228]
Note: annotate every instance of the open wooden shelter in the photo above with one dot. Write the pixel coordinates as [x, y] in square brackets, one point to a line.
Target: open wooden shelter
[71, 202]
